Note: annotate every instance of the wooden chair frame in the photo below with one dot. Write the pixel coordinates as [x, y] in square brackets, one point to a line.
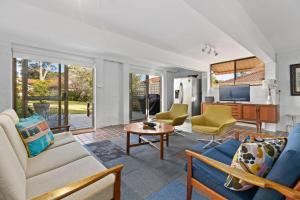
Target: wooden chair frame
[289, 193]
[71, 188]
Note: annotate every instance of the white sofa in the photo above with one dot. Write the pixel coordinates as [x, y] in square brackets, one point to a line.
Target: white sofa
[65, 170]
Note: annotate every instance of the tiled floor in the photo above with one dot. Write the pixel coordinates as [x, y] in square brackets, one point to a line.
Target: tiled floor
[110, 132]
[101, 134]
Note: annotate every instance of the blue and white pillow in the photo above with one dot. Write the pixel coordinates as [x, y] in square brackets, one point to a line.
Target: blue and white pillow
[35, 134]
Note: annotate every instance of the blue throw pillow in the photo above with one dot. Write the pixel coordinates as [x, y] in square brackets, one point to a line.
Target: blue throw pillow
[285, 171]
[35, 134]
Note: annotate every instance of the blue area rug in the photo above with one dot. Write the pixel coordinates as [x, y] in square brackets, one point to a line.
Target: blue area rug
[176, 190]
[144, 175]
[105, 150]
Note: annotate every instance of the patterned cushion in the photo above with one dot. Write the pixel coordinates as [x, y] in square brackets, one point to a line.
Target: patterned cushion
[35, 134]
[255, 157]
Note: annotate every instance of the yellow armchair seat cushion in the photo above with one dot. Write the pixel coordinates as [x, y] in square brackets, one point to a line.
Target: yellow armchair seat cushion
[167, 121]
[206, 129]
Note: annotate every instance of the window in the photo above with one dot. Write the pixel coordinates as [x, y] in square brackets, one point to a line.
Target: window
[243, 71]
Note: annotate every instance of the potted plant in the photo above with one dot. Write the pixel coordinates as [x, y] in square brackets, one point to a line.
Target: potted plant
[40, 88]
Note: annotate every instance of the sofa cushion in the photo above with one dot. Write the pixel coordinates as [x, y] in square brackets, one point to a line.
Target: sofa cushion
[215, 179]
[35, 133]
[12, 175]
[285, 171]
[62, 139]
[12, 114]
[229, 147]
[74, 171]
[11, 132]
[294, 139]
[54, 158]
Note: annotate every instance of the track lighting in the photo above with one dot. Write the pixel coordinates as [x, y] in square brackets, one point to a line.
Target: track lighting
[208, 49]
[216, 53]
[204, 49]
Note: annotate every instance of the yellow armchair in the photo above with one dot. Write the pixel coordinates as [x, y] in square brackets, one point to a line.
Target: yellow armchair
[217, 120]
[175, 117]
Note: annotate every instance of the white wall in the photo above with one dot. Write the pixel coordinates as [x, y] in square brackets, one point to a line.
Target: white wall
[109, 95]
[5, 77]
[288, 104]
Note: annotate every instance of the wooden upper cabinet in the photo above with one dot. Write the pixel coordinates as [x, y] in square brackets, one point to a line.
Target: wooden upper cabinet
[249, 112]
[268, 113]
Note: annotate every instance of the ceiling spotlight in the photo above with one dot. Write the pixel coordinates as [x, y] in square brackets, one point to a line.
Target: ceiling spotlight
[216, 53]
[204, 49]
[209, 50]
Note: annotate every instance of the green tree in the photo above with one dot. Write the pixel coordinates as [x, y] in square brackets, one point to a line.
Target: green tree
[80, 83]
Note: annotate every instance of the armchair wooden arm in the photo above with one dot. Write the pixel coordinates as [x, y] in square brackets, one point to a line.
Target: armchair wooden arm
[250, 178]
[76, 186]
[254, 135]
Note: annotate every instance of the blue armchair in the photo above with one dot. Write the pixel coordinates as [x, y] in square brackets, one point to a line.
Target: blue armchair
[208, 171]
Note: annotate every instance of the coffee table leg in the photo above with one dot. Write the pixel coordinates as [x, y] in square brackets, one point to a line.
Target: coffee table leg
[140, 140]
[161, 146]
[128, 144]
[167, 140]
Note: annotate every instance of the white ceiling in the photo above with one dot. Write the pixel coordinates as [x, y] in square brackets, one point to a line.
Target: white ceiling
[169, 24]
[279, 21]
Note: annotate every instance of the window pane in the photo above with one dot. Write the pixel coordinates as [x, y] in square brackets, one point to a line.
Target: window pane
[250, 71]
[222, 74]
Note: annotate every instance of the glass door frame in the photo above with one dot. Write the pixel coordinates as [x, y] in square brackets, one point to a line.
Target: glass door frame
[61, 97]
[146, 96]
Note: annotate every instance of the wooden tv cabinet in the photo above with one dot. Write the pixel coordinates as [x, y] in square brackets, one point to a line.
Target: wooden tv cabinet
[247, 112]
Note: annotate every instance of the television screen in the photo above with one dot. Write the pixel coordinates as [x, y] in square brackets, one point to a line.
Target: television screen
[235, 93]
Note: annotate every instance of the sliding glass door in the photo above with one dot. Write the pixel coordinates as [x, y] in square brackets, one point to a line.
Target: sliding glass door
[138, 96]
[41, 87]
[144, 96]
[62, 94]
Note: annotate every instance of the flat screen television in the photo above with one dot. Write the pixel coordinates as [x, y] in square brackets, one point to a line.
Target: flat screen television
[234, 93]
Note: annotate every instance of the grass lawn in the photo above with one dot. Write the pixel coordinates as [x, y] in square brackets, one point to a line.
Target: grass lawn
[75, 107]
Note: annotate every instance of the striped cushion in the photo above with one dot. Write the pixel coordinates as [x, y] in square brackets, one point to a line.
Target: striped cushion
[35, 134]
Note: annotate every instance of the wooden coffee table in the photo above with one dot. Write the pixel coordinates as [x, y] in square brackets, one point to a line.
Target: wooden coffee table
[161, 129]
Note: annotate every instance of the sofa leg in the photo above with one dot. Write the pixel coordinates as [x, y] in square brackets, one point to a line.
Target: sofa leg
[117, 186]
[189, 188]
